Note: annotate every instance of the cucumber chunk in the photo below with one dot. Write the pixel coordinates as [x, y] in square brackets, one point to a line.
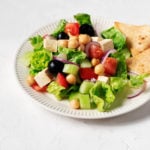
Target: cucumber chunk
[71, 69]
[84, 101]
[85, 86]
[74, 95]
[85, 64]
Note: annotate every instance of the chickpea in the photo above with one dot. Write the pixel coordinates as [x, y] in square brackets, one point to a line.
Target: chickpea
[95, 61]
[73, 37]
[81, 47]
[30, 80]
[99, 69]
[63, 43]
[73, 43]
[75, 104]
[71, 79]
[84, 38]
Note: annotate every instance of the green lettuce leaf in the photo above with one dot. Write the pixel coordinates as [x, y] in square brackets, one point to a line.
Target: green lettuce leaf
[109, 96]
[55, 89]
[122, 69]
[120, 95]
[65, 93]
[60, 28]
[125, 52]
[60, 92]
[118, 38]
[137, 80]
[117, 83]
[39, 61]
[73, 55]
[99, 102]
[36, 42]
[102, 95]
[83, 18]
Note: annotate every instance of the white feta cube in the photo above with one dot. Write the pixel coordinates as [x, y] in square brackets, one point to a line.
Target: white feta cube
[103, 79]
[43, 78]
[106, 44]
[50, 44]
[96, 38]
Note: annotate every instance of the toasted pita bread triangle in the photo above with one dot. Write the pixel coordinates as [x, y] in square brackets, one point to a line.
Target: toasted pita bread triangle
[140, 63]
[138, 37]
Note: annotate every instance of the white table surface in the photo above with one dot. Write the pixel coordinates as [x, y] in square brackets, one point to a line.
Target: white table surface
[25, 125]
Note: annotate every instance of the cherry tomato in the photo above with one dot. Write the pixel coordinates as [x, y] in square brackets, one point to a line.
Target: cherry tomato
[61, 80]
[36, 87]
[72, 28]
[87, 73]
[95, 51]
[110, 66]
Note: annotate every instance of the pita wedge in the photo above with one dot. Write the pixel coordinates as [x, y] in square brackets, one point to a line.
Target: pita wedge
[140, 63]
[138, 37]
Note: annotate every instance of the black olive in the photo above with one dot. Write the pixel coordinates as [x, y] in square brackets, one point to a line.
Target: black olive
[55, 66]
[87, 29]
[62, 35]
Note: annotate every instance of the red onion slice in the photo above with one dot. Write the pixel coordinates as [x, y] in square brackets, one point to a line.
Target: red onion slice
[138, 91]
[107, 54]
[87, 47]
[64, 60]
[44, 36]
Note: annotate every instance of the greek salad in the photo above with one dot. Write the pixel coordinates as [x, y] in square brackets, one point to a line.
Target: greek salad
[87, 68]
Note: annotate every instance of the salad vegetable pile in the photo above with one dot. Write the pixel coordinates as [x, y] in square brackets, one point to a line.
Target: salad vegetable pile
[89, 69]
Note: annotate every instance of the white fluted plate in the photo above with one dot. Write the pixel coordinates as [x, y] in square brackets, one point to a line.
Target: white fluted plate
[49, 102]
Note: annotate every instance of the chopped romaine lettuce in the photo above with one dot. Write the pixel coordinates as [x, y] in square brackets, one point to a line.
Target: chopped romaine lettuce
[102, 94]
[66, 92]
[99, 102]
[118, 38]
[120, 97]
[60, 28]
[122, 68]
[83, 18]
[137, 80]
[55, 89]
[60, 92]
[72, 54]
[40, 56]
[117, 83]
[123, 52]
[39, 61]
[108, 94]
[36, 42]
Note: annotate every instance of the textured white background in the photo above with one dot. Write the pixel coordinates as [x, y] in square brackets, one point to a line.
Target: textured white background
[25, 125]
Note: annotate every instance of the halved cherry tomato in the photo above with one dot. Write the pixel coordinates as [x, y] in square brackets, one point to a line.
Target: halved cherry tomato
[61, 80]
[87, 73]
[36, 87]
[95, 51]
[72, 28]
[110, 66]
